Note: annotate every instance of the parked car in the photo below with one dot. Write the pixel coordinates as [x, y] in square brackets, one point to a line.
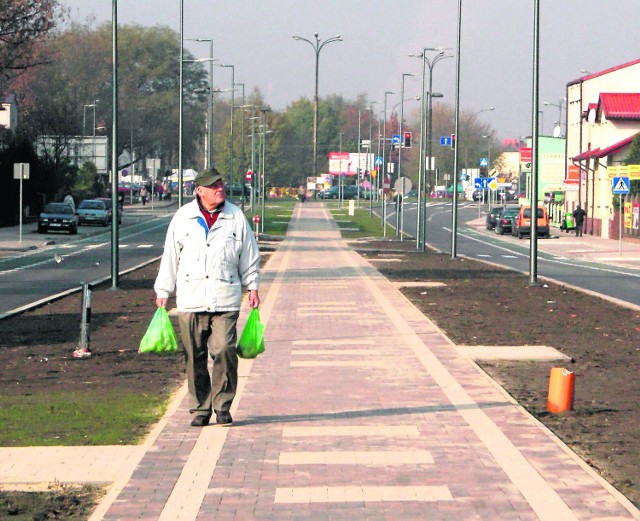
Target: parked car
[348, 192]
[480, 195]
[367, 193]
[108, 203]
[493, 216]
[93, 211]
[57, 217]
[508, 195]
[522, 223]
[505, 221]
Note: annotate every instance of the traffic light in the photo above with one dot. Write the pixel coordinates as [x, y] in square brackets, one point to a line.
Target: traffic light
[407, 139]
[453, 141]
[483, 171]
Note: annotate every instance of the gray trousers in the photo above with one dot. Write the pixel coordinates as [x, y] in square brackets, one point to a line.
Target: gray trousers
[211, 334]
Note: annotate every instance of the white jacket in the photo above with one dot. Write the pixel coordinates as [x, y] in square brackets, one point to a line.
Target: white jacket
[208, 268]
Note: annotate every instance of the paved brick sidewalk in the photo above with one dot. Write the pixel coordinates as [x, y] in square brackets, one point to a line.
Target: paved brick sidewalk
[359, 409]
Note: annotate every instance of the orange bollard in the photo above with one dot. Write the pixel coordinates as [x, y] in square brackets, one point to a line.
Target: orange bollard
[561, 385]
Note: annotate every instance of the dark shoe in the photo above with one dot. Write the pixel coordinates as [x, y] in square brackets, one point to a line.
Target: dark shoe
[224, 419]
[200, 421]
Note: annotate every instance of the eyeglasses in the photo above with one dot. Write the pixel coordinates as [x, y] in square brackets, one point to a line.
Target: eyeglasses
[217, 185]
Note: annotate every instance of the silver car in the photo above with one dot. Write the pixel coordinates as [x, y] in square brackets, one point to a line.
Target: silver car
[93, 211]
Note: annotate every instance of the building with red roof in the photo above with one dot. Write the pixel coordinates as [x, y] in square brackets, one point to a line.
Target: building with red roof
[603, 119]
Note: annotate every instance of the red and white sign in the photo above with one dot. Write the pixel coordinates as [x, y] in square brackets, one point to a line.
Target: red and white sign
[386, 186]
[526, 155]
[249, 174]
[571, 185]
[256, 219]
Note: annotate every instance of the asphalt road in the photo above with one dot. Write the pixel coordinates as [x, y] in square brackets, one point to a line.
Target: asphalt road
[39, 274]
[612, 281]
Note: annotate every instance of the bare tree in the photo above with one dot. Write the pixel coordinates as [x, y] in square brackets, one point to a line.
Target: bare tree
[22, 24]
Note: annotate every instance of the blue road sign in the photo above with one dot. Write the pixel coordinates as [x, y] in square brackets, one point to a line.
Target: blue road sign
[395, 139]
[481, 183]
[378, 161]
[445, 141]
[484, 161]
[620, 185]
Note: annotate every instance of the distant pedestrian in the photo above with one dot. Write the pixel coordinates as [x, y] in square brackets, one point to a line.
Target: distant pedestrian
[578, 220]
[68, 200]
[143, 195]
[210, 254]
[302, 194]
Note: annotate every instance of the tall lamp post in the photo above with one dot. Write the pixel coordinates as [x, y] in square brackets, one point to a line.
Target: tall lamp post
[400, 131]
[93, 131]
[242, 156]
[114, 146]
[233, 100]
[456, 148]
[317, 47]
[425, 136]
[384, 164]
[533, 196]
[209, 139]
[180, 105]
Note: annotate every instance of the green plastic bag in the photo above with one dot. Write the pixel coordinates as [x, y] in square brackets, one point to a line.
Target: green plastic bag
[251, 342]
[160, 338]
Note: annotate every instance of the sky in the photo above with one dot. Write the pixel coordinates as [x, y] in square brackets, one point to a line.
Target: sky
[496, 64]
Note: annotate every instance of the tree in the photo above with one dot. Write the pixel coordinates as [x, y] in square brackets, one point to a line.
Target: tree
[22, 24]
[54, 97]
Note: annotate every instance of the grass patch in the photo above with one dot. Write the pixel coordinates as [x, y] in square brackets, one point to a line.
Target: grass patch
[366, 225]
[113, 417]
[277, 214]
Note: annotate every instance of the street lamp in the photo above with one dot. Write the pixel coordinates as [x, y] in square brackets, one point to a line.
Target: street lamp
[264, 111]
[242, 156]
[209, 140]
[115, 261]
[233, 87]
[93, 132]
[559, 105]
[425, 137]
[384, 164]
[400, 131]
[317, 47]
[370, 151]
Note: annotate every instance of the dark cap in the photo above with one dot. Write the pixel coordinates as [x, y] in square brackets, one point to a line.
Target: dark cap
[208, 177]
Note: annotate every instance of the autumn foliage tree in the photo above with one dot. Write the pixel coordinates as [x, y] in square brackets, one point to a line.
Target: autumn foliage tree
[22, 24]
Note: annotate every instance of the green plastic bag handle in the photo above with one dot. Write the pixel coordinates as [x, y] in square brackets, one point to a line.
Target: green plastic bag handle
[160, 338]
[251, 342]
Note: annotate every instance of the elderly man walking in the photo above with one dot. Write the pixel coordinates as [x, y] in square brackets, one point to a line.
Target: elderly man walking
[210, 254]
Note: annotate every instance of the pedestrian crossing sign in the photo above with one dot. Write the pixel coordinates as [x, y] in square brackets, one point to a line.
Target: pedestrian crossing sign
[620, 185]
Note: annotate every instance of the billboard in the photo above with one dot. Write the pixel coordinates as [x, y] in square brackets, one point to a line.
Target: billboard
[349, 163]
